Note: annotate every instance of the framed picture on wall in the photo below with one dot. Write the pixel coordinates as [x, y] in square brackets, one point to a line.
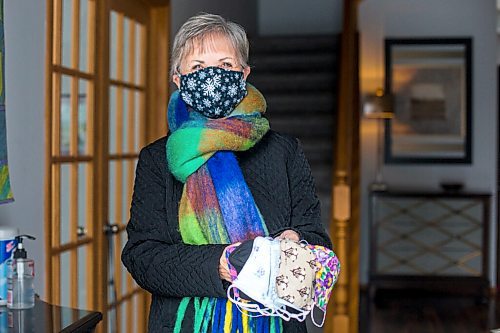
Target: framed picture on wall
[430, 80]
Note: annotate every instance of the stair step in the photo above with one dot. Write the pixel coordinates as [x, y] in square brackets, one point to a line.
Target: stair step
[293, 82]
[312, 102]
[320, 133]
[322, 177]
[318, 151]
[304, 126]
[276, 44]
[326, 209]
[298, 76]
[297, 62]
[312, 145]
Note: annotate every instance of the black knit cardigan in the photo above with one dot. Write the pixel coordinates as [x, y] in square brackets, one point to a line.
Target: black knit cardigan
[280, 180]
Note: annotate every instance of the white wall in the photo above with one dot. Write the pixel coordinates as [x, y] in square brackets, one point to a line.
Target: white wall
[292, 17]
[24, 66]
[426, 18]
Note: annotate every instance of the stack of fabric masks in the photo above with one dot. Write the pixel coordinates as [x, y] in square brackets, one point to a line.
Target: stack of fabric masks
[273, 277]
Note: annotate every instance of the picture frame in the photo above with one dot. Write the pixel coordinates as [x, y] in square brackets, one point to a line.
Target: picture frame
[430, 82]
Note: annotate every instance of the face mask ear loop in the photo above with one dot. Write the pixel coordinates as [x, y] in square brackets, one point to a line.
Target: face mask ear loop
[249, 307]
[236, 299]
[229, 295]
[302, 315]
[249, 310]
[284, 314]
[314, 321]
[264, 311]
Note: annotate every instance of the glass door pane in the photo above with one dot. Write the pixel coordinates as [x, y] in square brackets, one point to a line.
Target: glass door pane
[71, 158]
[126, 118]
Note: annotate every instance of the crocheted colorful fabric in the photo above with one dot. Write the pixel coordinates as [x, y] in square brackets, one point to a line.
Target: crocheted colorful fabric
[217, 206]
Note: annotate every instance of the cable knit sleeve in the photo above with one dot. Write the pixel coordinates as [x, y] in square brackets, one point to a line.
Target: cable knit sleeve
[154, 254]
[306, 210]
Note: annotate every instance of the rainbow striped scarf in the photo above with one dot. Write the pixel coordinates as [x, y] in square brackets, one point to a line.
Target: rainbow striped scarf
[217, 206]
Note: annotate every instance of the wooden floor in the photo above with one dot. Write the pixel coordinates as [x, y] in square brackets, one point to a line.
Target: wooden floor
[425, 313]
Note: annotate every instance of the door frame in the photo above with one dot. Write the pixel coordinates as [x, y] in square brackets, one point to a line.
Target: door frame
[158, 18]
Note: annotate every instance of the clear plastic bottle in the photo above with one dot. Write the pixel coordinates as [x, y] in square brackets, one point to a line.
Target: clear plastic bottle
[20, 279]
[7, 247]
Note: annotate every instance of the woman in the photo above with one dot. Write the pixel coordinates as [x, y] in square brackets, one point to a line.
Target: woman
[221, 176]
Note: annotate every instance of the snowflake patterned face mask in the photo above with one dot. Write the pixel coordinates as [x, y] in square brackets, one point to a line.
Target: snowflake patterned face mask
[214, 92]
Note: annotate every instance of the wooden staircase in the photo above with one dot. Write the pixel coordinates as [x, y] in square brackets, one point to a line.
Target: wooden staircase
[299, 79]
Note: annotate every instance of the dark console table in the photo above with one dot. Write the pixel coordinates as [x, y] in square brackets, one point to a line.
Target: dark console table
[429, 241]
[47, 318]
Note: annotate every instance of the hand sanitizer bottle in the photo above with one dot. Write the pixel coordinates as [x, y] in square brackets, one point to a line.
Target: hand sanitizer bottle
[21, 275]
[7, 247]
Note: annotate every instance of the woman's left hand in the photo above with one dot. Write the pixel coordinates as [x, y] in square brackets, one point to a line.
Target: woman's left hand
[289, 234]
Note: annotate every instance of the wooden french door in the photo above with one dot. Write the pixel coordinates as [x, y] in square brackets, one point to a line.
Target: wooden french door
[102, 106]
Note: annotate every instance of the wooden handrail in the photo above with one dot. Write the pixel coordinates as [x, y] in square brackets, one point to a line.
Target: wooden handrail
[344, 227]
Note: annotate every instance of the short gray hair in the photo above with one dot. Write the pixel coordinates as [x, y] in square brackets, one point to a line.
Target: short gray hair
[203, 25]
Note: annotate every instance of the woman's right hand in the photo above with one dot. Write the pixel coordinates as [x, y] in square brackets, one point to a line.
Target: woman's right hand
[223, 266]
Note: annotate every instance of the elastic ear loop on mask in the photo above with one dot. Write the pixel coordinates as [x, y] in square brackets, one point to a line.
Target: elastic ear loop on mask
[314, 321]
[266, 311]
[249, 307]
[286, 315]
[252, 308]
[261, 312]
